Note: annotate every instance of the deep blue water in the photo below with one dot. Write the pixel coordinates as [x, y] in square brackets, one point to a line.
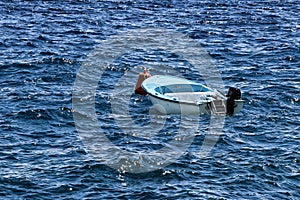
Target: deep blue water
[255, 46]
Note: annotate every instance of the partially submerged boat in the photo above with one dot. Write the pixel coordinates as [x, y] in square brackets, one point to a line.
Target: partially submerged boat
[173, 95]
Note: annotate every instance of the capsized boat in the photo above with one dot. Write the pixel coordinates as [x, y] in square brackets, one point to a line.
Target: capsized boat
[174, 95]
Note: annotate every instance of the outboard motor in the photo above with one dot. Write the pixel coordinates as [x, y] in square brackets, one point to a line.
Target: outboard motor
[233, 94]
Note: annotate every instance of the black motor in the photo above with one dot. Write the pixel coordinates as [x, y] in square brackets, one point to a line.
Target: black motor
[233, 94]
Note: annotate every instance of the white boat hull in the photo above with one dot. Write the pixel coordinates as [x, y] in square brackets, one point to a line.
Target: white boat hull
[173, 95]
[169, 107]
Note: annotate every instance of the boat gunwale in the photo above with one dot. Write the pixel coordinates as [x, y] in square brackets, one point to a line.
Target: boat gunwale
[153, 93]
[191, 103]
[179, 101]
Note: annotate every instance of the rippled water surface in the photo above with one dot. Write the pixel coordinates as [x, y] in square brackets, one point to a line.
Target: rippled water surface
[254, 44]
